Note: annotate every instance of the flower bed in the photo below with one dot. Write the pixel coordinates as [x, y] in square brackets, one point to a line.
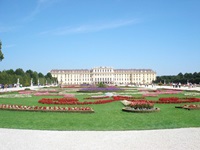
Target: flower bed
[120, 97]
[25, 92]
[97, 97]
[168, 100]
[64, 101]
[15, 95]
[189, 107]
[158, 92]
[129, 109]
[141, 107]
[69, 95]
[46, 108]
[97, 89]
[74, 101]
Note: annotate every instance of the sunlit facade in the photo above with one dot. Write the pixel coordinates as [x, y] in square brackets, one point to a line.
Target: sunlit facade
[106, 75]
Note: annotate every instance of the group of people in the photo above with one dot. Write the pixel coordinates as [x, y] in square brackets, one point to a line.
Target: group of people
[176, 85]
[4, 86]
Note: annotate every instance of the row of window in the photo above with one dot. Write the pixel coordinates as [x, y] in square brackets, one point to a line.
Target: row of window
[117, 76]
[104, 79]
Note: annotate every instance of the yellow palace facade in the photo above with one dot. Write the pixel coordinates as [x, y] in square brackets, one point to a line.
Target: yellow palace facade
[106, 75]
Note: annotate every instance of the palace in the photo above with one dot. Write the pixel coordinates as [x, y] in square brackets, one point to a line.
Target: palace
[106, 75]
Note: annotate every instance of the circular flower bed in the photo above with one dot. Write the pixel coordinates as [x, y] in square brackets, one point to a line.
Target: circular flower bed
[141, 107]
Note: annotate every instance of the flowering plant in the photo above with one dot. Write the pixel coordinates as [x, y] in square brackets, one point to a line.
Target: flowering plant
[45, 108]
[141, 105]
[168, 100]
[100, 89]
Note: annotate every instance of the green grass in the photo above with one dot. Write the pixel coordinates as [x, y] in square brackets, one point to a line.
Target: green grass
[106, 117]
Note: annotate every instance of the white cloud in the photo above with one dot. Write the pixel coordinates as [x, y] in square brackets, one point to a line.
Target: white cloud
[91, 27]
[41, 4]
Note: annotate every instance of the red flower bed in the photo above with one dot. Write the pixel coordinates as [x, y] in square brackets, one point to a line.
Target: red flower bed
[74, 101]
[46, 108]
[64, 100]
[168, 100]
[71, 101]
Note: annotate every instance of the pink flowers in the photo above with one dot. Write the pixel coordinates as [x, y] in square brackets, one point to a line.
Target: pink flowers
[122, 97]
[158, 92]
[97, 97]
[25, 92]
[69, 95]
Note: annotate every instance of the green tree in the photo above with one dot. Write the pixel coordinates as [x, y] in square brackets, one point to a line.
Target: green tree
[48, 75]
[40, 75]
[19, 72]
[35, 77]
[30, 73]
[1, 54]
[101, 85]
[11, 72]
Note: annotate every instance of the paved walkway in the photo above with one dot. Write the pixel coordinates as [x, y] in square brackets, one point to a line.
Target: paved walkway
[169, 139]
[149, 87]
[20, 88]
[170, 87]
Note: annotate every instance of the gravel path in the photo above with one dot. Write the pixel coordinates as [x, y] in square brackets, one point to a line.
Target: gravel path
[169, 139]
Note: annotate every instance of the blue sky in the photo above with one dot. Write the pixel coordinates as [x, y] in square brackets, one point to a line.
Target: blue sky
[162, 35]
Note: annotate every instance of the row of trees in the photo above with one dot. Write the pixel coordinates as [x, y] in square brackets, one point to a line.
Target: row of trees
[11, 77]
[182, 78]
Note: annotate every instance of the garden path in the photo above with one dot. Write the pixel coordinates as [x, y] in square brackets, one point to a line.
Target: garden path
[168, 139]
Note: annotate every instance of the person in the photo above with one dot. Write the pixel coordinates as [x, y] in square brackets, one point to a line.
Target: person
[173, 84]
[179, 85]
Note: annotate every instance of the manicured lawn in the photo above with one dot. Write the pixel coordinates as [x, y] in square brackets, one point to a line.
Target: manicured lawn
[106, 117]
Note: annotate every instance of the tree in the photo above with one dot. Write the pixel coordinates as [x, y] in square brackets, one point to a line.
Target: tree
[1, 54]
[48, 75]
[30, 72]
[11, 72]
[40, 75]
[19, 72]
[101, 85]
[35, 77]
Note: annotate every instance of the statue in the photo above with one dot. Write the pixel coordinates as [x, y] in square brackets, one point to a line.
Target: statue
[18, 82]
[31, 81]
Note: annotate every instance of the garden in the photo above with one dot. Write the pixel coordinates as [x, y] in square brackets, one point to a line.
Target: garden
[99, 109]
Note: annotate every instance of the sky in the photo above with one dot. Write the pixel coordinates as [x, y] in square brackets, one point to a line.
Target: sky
[41, 35]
